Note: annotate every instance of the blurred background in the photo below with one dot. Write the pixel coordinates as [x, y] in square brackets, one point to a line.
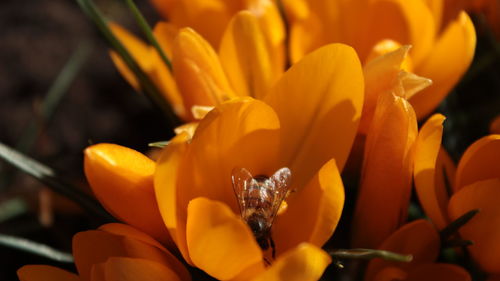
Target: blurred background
[40, 38]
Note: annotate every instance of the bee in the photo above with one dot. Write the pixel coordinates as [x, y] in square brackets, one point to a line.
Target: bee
[259, 199]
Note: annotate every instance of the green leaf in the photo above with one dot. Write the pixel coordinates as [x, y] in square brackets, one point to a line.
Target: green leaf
[48, 177]
[454, 226]
[34, 248]
[146, 29]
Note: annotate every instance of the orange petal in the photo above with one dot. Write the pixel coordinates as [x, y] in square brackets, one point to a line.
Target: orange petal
[389, 273]
[122, 180]
[380, 76]
[386, 176]
[44, 273]
[436, 8]
[250, 272]
[198, 72]
[484, 228]
[140, 51]
[387, 46]
[406, 22]
[302, 263]
[408, 84]
[272, 26]
[165, 183]
[219, 242]
[164, 7]
[126, 230]
[317, 208]
[438, 272]
[245, 56]
[110, 245]
[433, 197]
[208, 18]
[479, 162]
[305, 35]
[165, 34]
[315, 100]
[446, 63]
[418, 238]
[129, 269]
[98, 272]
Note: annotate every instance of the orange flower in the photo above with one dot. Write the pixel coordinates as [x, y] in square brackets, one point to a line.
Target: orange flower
[249, 62]
[307, 122]
[473, 186]
[421, 240]
[442, 50]
[113, 252]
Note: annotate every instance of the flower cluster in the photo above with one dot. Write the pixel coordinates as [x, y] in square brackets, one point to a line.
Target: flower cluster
[322, 88]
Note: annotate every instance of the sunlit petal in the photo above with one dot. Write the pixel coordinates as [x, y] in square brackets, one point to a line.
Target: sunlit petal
[305, 262]
[122, 180]
[433, 197]
[198, 72]
[219, 242]
[246, 57]
[318, 102]
[313, 212]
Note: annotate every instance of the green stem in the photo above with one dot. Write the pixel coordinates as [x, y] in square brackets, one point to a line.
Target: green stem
[367, 254]
[148, 32]
[34, 248]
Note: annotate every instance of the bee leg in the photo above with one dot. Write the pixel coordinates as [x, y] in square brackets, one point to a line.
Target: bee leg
[267, 262]
[273, 247]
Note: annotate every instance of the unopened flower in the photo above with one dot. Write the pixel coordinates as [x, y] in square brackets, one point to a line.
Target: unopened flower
[385, 187]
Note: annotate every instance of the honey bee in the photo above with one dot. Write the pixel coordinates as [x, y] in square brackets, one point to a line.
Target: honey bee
[259, 199]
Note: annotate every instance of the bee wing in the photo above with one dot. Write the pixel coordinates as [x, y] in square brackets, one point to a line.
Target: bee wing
[282, 180]
[242, 180]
